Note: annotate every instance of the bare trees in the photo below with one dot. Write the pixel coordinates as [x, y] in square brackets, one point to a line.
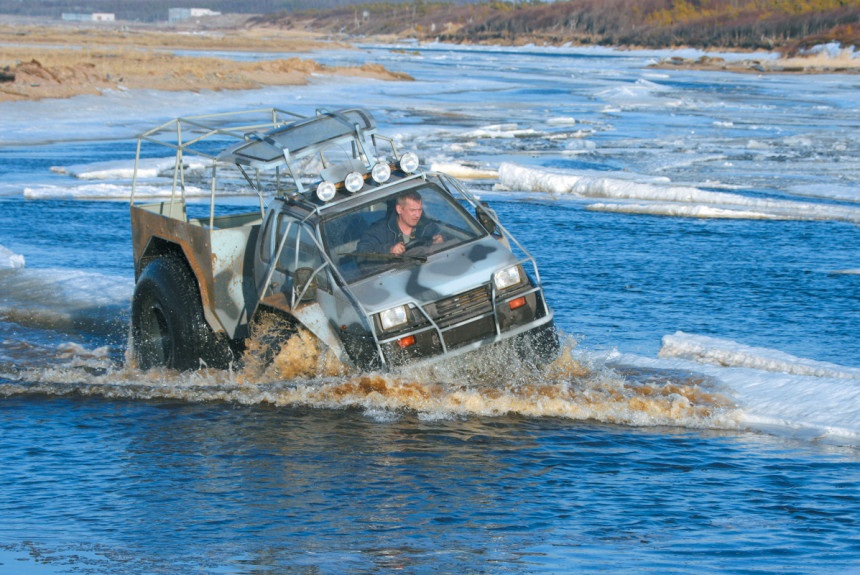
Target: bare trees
[749, 24]
[657, 23]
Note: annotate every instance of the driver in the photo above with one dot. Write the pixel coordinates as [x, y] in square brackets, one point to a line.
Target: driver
[405, 225]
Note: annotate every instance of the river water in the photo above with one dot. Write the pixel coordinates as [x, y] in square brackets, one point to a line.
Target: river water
[697, 233]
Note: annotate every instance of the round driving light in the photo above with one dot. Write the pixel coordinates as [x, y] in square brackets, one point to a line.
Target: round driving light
[353, 182]
[381, 172]
[409, 162]
[326, 191]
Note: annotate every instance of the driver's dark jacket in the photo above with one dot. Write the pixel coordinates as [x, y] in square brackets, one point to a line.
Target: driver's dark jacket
[381, 236]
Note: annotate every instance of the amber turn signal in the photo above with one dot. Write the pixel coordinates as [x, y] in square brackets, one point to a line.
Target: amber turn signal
[519, 302]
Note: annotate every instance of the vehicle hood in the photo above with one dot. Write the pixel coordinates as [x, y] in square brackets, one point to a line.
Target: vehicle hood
[444, 274]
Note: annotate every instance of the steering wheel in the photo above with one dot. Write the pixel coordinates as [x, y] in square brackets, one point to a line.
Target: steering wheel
[420, 243]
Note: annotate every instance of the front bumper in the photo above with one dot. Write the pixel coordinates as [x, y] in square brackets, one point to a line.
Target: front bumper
[464, 324]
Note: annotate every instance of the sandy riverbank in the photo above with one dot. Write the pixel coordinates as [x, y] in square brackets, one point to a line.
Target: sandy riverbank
[61, 61]
[844, 62]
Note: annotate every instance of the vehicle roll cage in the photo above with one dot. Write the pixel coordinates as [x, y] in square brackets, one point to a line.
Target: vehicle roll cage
[267, 144]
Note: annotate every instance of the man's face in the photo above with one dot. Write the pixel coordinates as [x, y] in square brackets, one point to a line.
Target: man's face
[410, 212]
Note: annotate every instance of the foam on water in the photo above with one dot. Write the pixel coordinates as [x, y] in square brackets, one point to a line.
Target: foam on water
[9, 259]
[573, 388]
[493, 382]
[566, 389]
[489, 384]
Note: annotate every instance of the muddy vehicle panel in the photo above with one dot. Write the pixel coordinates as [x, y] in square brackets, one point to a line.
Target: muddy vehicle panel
[331, 248]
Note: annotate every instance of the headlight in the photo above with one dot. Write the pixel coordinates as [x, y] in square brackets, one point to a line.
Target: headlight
[326, 191]
[507, 277]
[353, 182]
[394, 317]
[409, 162]
[381, 172]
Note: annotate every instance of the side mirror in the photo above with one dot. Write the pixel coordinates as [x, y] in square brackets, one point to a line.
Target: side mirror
[304, 285]
[486, 217]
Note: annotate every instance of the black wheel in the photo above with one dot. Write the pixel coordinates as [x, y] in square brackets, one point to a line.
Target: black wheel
[167, 323]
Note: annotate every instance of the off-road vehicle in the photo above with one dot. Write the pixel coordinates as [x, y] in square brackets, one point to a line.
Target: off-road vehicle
[299, 248]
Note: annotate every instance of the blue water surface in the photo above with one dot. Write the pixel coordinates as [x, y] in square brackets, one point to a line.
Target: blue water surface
[94, 485]
[106, 470]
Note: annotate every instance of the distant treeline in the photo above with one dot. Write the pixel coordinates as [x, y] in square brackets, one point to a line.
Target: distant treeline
[742, 24]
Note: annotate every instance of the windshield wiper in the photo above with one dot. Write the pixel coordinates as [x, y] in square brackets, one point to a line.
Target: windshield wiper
[388, 257]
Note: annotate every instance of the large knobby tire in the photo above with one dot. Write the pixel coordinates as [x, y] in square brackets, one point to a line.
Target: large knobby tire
[167, 322]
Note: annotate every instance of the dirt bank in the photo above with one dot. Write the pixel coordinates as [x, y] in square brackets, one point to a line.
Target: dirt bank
[59, 60]
[844, 63]
[62, 61]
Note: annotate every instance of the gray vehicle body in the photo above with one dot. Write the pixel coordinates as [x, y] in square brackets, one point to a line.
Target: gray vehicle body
[296, 254]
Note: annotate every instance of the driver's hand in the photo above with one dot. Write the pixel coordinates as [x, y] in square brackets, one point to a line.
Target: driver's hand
[438, 239]
[398, 248]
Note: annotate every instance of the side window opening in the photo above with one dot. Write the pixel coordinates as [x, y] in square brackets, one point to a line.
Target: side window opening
[300, 251]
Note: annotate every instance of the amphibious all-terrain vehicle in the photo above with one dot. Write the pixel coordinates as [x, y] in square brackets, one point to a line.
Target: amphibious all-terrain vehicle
[326, 190]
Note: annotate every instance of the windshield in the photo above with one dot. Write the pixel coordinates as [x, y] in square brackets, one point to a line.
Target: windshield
[402, 229]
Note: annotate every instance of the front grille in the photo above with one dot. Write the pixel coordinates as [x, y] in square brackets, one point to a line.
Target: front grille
[462, 306]
[472, 331]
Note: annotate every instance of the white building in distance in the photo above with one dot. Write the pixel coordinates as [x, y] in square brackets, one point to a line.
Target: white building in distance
[180, 14]
[94, 17]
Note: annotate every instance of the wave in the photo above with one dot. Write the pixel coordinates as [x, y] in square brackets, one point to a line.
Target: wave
[663, 197]
[9, 259]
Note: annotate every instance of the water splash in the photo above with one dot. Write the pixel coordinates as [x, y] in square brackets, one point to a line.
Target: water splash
[276, 349]
[489, 383]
